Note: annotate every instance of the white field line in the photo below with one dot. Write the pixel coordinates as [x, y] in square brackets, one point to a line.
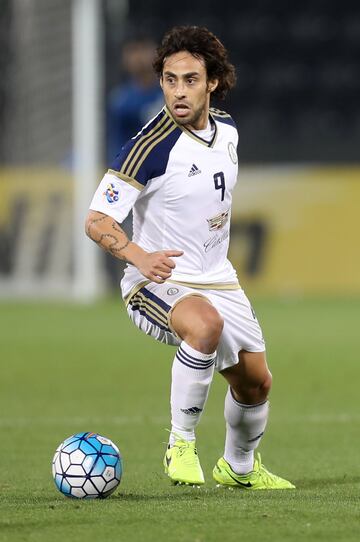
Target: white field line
[81, 420]
[90, 422]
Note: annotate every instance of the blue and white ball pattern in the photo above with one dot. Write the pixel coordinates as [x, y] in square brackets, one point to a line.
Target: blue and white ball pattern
[87, 465]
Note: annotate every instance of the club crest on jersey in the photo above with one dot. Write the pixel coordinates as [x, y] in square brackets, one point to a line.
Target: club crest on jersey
[112, 195]
[217, 222]
[232, 152]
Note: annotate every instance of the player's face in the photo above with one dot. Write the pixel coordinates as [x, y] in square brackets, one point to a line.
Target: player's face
[187, 89]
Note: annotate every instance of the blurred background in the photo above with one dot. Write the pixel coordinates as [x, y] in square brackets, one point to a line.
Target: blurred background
[75, 84]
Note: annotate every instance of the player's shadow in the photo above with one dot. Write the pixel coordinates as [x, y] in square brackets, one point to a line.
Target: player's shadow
[186, 493]
[183, 494]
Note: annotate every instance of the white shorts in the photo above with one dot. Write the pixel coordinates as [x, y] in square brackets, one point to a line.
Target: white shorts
[150, 310]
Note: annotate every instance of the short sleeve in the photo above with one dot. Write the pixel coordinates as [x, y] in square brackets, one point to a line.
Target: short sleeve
[114, 197]
[141, 159]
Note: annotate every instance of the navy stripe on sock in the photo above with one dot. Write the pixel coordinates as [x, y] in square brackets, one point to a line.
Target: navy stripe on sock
[185, 354]
[200, 365]
[197, 363]
[191, 359]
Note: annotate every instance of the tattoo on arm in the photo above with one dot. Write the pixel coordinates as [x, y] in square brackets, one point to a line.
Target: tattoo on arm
[113, 243]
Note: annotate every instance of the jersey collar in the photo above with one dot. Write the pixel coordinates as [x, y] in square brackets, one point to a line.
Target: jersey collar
[191, 134]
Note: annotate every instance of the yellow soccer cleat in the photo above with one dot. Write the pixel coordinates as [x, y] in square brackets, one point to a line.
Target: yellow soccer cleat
[182, 465]
[259, 478]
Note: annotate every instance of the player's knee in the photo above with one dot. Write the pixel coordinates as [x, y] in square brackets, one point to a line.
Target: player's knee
[211, 324]
[260, 391]
[253, 391]
[205, 330]
[266, 384]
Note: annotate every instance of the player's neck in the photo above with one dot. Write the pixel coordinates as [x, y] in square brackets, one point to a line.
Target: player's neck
[200, 123]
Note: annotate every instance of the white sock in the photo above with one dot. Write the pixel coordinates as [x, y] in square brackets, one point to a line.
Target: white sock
[192, 373]
[245, 425]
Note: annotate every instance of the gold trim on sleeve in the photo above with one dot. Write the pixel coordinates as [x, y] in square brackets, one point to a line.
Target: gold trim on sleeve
[127, 179]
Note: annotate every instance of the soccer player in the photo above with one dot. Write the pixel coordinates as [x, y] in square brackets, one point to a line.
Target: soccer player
[178, 174]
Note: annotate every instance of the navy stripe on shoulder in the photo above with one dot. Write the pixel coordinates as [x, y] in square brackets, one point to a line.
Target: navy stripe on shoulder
[135, 141]
[146, 155]
[222, 116]
[152, 123]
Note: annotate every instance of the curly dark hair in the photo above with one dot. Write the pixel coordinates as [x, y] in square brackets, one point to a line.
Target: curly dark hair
[200, 42]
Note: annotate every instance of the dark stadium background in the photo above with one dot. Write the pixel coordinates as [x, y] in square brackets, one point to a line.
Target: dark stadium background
[298, 70]
[297, 63]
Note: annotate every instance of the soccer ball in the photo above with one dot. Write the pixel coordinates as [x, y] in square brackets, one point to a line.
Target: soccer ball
[87, 465]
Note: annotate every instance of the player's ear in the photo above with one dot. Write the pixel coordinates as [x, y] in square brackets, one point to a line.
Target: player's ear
[161, 81]
[212, 84]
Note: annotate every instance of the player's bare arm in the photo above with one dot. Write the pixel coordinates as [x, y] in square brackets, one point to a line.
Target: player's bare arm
[108, 234]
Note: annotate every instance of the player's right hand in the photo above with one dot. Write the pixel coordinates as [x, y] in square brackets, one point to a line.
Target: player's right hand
[158, 266]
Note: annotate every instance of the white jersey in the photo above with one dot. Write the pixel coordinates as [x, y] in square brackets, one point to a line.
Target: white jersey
[180, 189]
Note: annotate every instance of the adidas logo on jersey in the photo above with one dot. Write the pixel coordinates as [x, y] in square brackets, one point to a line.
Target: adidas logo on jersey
[194, 170]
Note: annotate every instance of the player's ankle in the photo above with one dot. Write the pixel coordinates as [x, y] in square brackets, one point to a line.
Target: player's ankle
[181, 434]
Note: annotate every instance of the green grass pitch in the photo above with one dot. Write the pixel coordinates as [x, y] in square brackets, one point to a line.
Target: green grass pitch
[69, 368]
